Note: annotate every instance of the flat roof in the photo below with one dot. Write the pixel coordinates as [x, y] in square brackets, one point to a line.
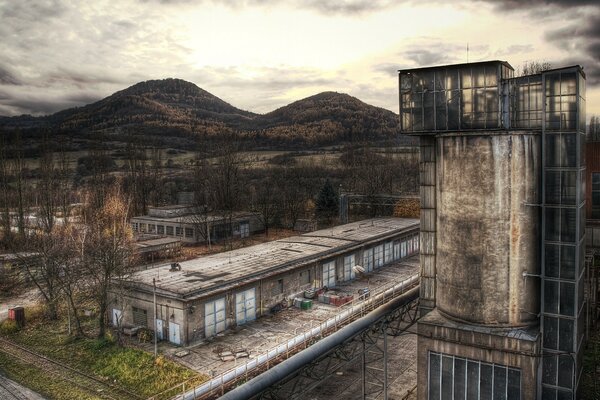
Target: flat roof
[457, 65]
[219, 272]
[191, 219]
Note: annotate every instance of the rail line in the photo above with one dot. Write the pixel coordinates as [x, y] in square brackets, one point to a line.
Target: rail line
[82, 380]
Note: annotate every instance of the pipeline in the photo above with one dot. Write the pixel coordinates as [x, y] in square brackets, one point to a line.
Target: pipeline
[276, 374]
[262, 359]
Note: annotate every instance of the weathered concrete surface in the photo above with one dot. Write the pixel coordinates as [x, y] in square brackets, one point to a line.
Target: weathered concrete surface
[513, 347]
[487, 226]
[10, 389]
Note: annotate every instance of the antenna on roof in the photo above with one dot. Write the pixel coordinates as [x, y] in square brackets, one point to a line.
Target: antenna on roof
[467, 52]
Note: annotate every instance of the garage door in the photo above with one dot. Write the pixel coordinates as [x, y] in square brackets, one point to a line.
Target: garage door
[245, 306]
[349, 267]
[214, 317]
[329, 274]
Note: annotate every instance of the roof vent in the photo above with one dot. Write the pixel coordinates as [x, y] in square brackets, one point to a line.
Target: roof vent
[175, 267]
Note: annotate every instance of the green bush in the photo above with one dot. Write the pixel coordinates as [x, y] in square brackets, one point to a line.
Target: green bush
[9, 326]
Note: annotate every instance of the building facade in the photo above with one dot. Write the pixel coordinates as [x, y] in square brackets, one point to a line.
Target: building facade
[200, 298]
[502, 229]
[187, 224]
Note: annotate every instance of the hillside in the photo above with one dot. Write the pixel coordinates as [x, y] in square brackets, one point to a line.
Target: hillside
[329, 117]
[173, 112]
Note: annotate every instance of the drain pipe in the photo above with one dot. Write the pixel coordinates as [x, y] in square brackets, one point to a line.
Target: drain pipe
[276, 374]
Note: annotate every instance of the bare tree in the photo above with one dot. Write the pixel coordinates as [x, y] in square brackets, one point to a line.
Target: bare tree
[109, 255]
[533, 67]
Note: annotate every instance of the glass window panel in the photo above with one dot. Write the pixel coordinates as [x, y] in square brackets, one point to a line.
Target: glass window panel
[440, 111]
[434, 376]
[580, 292]
[479, 76]
[485, 382]
[551, 297]
[447, 365]
[568, 224]
[491, 76]
[549, 370]
[552, 224]
[595, 181]
[479, 100]
[569, 187]
[550, 332]
[440, 80]
[472, 380]
[465, 78]
[567, 298]
[551, 260]
[567, 262]
[407, 121]
[491, 120]
[513, 390]
[405, 82]
[568, 83]
[565, 334]
[460, 373]
[491, 100]
[452, 99]
[417, 83]
[499, 382]
[417, 119]
[565, 371]
[452, 79]
[563, 395]
[428, 116]
[552, 187]
[427, 80]
[548, 393]
[568, 104]
[552, 84]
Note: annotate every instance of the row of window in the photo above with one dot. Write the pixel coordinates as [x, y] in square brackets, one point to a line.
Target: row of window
[373, 257]
[454, 378]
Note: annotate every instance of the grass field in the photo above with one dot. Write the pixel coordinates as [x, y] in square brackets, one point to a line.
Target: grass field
[131, 369]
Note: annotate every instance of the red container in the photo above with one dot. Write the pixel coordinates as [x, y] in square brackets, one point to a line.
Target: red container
[17, 314]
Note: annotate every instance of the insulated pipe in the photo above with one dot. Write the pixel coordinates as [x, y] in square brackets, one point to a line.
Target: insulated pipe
[261, 359]
[276, 374]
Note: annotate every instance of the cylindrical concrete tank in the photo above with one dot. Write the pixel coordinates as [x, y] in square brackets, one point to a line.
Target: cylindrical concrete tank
[488, 187]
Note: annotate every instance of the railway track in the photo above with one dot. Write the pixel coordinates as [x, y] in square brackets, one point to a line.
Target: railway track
[85, 382]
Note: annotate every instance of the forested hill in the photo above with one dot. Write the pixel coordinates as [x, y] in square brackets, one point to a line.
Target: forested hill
[178, 113]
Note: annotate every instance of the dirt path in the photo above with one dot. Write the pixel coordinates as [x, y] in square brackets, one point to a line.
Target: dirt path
[28, 298]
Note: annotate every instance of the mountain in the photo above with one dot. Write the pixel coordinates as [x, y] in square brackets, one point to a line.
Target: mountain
[176, 113]
[330, 117]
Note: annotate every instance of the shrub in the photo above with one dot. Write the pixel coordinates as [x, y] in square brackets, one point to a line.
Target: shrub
[9, 326]
[145, 335]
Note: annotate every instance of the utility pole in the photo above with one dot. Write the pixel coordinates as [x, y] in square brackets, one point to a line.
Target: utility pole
[155, 332]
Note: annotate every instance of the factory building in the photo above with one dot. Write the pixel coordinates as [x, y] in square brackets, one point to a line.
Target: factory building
[190, 226]
[502, 229]
[200, 298]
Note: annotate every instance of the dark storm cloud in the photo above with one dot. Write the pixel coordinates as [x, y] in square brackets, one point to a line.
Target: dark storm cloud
[7, 77]
[581, 43]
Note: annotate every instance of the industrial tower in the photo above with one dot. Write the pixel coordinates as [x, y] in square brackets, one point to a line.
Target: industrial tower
[502, 229]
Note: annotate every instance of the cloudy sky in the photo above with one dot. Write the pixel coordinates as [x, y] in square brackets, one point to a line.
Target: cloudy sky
[262, 54]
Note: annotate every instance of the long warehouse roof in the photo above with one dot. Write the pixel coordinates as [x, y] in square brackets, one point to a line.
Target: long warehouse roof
[211, 274]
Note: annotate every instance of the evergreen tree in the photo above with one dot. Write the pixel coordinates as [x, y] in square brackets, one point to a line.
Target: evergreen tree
[327, 202]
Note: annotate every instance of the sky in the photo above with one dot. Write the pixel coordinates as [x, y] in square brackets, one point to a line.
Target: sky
[259, 55]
